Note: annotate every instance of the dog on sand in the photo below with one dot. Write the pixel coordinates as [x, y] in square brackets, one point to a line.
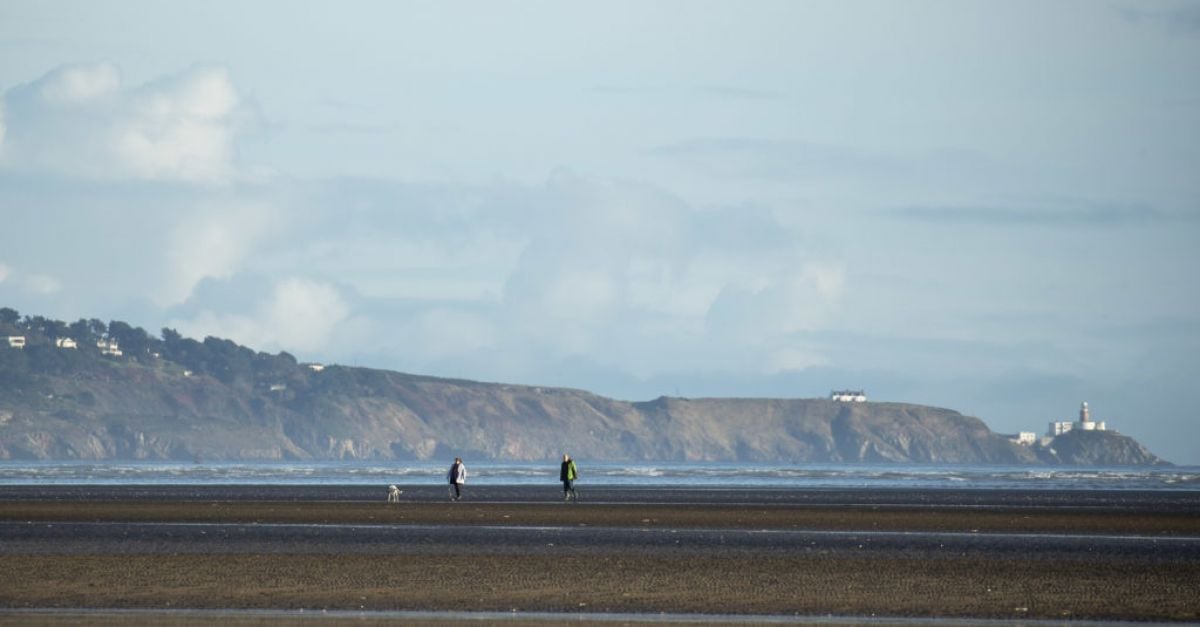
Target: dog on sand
[394, 494]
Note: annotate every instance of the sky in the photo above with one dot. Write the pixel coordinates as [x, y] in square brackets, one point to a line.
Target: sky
[987, 206]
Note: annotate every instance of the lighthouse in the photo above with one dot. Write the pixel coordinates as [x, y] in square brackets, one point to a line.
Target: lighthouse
[1085, 423]
[1085, 420]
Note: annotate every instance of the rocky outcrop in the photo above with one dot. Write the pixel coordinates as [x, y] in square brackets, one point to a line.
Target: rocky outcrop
[1097, 448]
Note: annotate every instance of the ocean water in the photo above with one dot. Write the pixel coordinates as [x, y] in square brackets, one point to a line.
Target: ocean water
[685, 475]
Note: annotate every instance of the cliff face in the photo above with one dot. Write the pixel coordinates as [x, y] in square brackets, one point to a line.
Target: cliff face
[154, 411]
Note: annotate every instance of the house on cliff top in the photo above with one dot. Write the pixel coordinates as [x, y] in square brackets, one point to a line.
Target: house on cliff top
[848, 396]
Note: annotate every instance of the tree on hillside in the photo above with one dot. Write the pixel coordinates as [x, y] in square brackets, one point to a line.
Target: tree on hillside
[229, 362]
[81, 331]
[9, 316]
[14, 370]
[134, 341]
[187, 352]
[55, 329]
[35, 328]
[171, 337]
[49, 359]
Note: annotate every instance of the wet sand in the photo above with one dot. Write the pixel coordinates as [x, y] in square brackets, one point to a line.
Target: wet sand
[925, 554]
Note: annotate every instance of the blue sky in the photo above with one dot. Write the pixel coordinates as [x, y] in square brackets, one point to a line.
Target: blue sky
[992, 207]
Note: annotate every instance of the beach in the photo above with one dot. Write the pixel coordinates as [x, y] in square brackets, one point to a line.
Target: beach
[521, 551]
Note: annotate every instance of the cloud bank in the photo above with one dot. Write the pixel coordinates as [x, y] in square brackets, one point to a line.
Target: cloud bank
[502, 281]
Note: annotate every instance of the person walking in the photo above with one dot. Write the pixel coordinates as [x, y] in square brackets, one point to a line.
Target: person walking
[457, 477]
[567, 475]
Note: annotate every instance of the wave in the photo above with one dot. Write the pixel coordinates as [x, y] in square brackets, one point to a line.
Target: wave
[621, 474]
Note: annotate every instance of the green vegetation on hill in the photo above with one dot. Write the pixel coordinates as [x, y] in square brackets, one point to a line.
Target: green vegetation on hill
[172, 397]
[223, 360]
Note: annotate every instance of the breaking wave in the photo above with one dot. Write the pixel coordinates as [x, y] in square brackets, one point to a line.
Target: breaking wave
[618, 474]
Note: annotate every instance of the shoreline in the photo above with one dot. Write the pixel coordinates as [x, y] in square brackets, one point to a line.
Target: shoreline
[435, 492]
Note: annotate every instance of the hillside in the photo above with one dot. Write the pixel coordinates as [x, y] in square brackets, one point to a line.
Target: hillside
[1098, 448]
[176, 398]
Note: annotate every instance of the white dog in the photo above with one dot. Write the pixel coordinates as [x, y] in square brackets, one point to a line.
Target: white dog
[394, 494]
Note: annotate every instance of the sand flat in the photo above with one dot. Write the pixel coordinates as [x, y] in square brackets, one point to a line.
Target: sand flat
[1009, 559]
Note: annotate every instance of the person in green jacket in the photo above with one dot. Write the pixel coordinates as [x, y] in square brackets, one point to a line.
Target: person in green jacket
[567, 476]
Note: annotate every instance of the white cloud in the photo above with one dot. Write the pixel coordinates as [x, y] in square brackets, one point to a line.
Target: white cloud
[827, 279]
[211, 244]
[5, 271]
[79, 85]
[618, 271]
[81, 121]
[774, 299]
[297, 315]
[303, 314]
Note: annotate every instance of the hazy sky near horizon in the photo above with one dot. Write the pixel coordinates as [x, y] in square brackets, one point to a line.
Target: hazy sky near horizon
[993, 207]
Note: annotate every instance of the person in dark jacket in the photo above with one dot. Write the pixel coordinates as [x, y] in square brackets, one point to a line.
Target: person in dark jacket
[457, 477]
[567, 475]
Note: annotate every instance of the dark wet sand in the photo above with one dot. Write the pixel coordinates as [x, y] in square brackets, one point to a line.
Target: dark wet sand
[914, 554]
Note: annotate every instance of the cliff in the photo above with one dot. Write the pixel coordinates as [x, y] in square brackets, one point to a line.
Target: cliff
[100, 408]
[178, 398]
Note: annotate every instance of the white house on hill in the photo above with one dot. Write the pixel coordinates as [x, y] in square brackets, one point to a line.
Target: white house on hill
[1025, 438]
[848, 396]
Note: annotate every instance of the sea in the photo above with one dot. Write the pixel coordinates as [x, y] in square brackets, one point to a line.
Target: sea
[617, 474]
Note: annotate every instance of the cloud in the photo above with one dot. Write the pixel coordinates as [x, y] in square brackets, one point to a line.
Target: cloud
[626, 273]
[620, 271]
[79, 85]
[43, 284]
[714, 91]
[34, 283]
[776, 302]
[1183, 20]
[297, 314]
[1057, 214]
[493, 281]
[792, 359]
[212, 243]
[776, 160]
[303, 313]
[441, 332]
[81, 121]
[738, 93]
